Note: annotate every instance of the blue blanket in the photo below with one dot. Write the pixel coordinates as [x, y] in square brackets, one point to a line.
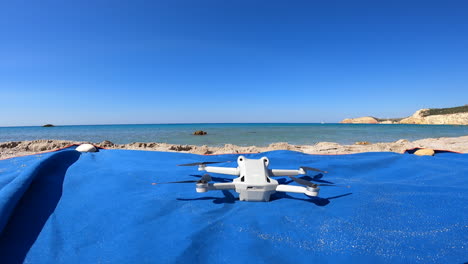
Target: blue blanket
[68, 207]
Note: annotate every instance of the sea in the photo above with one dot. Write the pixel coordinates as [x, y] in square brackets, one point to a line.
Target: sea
[258, 134]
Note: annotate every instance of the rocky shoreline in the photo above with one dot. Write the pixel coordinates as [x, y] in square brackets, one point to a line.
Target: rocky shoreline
[457, 144]
[443, 116]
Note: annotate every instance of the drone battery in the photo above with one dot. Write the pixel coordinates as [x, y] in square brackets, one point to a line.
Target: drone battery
[255, 194]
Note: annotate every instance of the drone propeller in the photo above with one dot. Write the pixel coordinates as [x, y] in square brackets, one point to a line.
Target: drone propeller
[313, 185]
[313, 169]
[204, 179]
[202, 163]
[174, 182]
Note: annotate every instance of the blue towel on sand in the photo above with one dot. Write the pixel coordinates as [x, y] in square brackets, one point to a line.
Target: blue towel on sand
[71, 207]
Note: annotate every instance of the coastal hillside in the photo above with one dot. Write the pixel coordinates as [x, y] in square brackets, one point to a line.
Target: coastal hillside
[432, 116]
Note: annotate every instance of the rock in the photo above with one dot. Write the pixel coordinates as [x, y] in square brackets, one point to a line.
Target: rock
[424, 152]
[86, 148]
[48, 125]
[201, 150]
[199, 133]
[230, 148]
[362, 143]
[402, 141]
[412, 120]
[280, 146]
[180, 147]
[151, 145]
[106, 143]
[360, 120]
[9, 145]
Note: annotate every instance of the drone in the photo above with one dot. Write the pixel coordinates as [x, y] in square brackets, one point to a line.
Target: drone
[254, 181]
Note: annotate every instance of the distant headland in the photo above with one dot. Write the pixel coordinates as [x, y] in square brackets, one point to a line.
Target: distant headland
[431, 116]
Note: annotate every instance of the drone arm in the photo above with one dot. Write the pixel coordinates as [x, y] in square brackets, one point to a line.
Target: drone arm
[290, 188]
[297, 189]
[220, 170]
[275, 172]
[204, 187]
[221, 186]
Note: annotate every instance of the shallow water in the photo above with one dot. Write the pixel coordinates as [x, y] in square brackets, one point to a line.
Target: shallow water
[238, 134]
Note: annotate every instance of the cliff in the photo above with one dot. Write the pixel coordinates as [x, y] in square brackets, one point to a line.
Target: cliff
[360, 120]
[434, 116]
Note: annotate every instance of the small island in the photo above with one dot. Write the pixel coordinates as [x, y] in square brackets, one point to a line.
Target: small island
[48, 125]
[432, 116]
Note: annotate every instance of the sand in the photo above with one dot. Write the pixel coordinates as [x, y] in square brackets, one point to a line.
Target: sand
[458, 144]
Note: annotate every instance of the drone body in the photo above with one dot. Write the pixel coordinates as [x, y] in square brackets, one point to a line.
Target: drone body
[254, 181]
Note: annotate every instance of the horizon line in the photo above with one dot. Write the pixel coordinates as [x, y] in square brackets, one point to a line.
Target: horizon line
[192, 123]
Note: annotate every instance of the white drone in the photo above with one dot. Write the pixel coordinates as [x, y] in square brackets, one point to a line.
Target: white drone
[254, 181]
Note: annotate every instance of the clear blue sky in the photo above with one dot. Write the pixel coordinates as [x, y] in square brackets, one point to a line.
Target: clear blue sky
[108, 62]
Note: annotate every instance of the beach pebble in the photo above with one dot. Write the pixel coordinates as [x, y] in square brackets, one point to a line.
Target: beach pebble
[424, 152]
[86, 148]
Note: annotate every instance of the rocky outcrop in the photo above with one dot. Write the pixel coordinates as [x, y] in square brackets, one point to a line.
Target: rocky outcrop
[451, 119]
[460, 144]
[421, 117]
[106, 144]
[180, 148]
[360, 120]
[17, 148]
[443, 116]
[416, 118]
[200, 133]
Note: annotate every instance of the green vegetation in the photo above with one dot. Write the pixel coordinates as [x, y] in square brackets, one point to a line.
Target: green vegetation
[394, 120]
[446, 111]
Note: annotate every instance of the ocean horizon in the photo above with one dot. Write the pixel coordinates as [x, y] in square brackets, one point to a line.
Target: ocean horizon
[242, 134]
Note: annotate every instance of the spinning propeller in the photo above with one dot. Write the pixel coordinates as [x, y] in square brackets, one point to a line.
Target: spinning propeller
[314, 185]
[202, 163]
[204, 179]
[313, 169]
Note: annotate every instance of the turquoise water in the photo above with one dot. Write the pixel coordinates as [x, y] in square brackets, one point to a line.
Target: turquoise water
[238, 134]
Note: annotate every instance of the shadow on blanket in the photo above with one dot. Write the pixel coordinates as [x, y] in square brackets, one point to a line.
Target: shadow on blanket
[35, 207]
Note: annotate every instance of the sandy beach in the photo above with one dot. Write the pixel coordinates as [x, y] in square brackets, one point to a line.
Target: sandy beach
[457, 144]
